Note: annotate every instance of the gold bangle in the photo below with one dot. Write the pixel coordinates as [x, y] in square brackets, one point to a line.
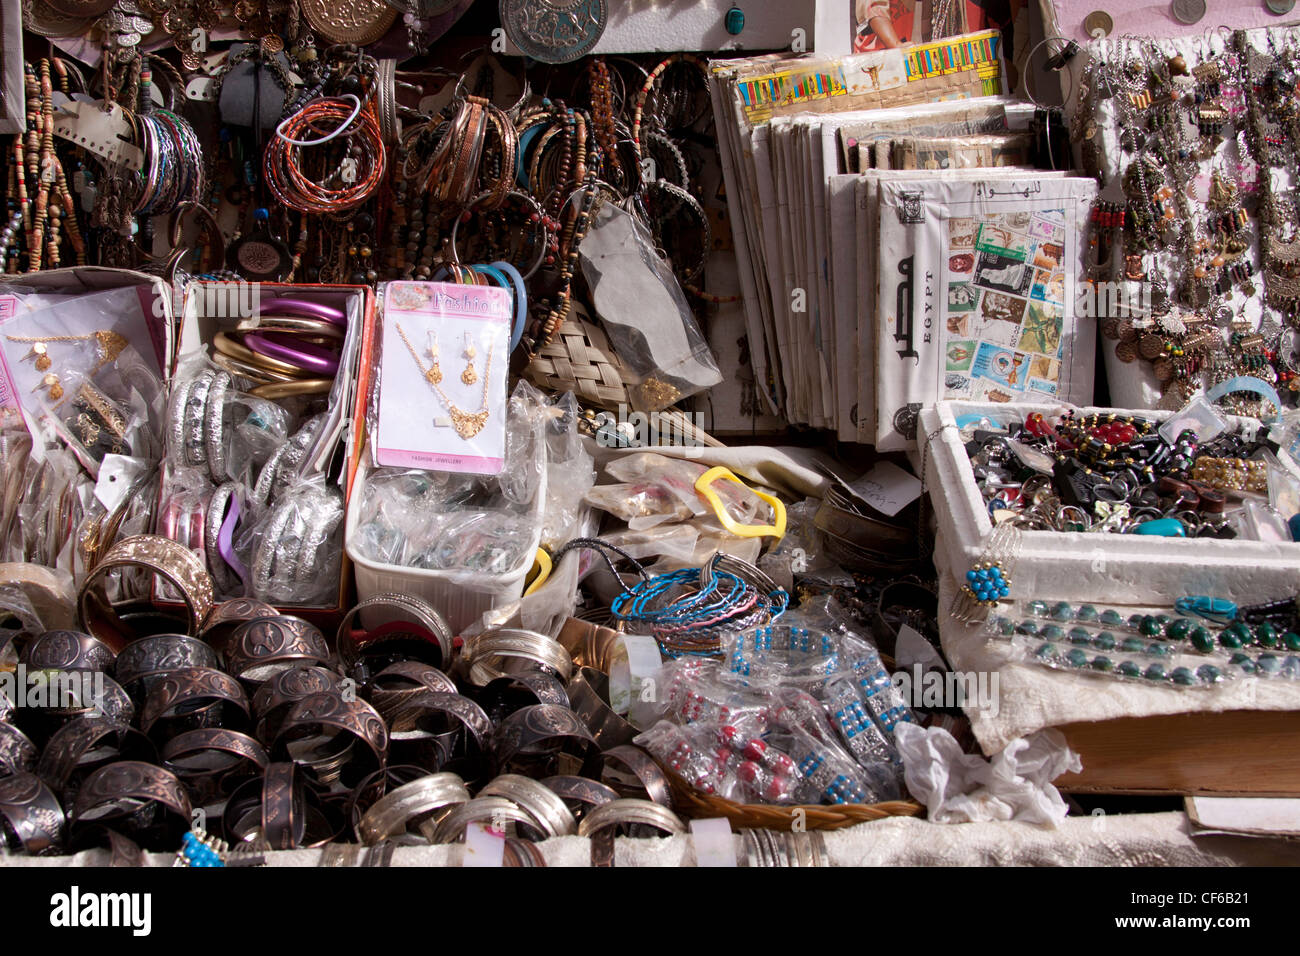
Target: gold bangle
[244, 370]
[223, 342]
[174, 562]
[309, 386]
[293, 324]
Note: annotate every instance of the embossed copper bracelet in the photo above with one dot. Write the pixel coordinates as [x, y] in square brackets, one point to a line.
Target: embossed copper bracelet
[173, 562]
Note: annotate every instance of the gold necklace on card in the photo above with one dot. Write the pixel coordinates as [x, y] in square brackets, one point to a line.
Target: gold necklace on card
[467, 424]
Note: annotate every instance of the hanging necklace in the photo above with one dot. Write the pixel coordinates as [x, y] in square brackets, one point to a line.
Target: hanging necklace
[467, 424]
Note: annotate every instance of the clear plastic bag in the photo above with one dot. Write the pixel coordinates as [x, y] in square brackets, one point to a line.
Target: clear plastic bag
[295, 548]
[453, 521]
[645, 312]
[570, 473]
[211, 424]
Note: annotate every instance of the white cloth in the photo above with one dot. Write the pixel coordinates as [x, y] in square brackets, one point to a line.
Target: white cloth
[1031, 696]
[1016, 784]
[1148, 839]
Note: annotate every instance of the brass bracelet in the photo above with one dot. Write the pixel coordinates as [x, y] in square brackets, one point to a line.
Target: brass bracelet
[226, 344]
[250, 372]
[173, 562]
[309, 386]
[310, 329]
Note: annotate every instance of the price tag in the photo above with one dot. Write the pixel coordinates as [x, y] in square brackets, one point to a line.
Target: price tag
[888, 488]
[105, 132]
[483, 846]
[633, 678]
[714, 844]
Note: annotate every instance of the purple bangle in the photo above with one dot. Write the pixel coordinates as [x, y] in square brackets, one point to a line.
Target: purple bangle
[226, 543]
[303, 355]
[313, 310]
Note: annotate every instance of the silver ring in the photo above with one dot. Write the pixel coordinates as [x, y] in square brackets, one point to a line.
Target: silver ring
[392, 814]
[403, 607]
[451, 829]
[548, 811]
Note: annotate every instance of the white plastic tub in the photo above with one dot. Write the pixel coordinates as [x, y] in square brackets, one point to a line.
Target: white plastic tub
[460, 596]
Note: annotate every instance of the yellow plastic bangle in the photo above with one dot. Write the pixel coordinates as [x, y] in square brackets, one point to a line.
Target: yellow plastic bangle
[704, 490]
[541, 570]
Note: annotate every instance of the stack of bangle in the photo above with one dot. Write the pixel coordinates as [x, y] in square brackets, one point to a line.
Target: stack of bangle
[688, 610]
[198, 422]
[174, 162]
[291, 347]
[357, 174]
[297, 555]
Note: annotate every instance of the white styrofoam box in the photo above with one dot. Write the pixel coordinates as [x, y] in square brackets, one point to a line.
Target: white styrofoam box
[1075, 566]
[460, 597]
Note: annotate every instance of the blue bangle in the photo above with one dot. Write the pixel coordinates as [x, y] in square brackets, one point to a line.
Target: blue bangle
[521, 301]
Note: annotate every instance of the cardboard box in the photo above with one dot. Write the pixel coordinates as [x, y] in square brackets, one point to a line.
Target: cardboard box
[212, 307]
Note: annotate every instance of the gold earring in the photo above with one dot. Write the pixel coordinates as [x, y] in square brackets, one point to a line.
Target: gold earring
[51, 381]
[434, 375]
[41, 351]
[469, 376]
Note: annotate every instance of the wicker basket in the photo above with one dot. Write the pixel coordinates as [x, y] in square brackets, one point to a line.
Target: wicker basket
[579, 359]
[692, 804]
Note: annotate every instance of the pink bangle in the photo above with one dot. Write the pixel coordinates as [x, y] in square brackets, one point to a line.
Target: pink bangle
[170, 518]
[196, 529]
[303, 355]
[314, 310]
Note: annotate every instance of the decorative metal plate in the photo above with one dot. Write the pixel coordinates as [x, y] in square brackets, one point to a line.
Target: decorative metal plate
[350, 21]
[554, 31]
[44, 20]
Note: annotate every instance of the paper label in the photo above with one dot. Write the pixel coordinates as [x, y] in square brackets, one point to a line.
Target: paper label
[633, 677]
[714, 844]
[888, 488]
[105, 132]
[117, 475]
[483, 846]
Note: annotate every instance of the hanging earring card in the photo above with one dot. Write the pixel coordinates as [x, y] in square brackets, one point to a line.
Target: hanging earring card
[441, 402]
